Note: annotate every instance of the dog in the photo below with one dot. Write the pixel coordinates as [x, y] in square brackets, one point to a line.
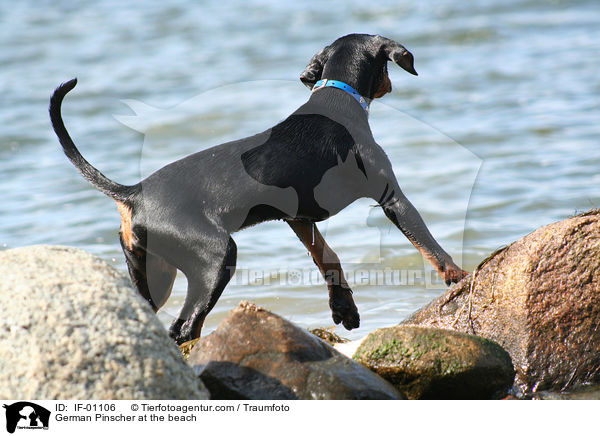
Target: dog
[302, 171]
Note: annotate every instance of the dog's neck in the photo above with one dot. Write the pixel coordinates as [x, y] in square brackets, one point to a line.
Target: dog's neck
[324, 83]
[342, 108]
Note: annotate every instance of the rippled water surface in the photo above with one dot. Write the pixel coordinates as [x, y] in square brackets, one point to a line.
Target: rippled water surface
[498, 135]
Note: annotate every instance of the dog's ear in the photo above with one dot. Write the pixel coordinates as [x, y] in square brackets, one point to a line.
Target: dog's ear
[313, 71]
[399, 54]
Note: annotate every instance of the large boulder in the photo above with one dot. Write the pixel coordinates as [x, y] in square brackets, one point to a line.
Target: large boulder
[257, 355]
[72, 327]
[429, 363]
[539, 298]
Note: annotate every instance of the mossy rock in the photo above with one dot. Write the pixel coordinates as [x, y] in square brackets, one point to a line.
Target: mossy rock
[429, 363]
[186, 347]
[328, 336]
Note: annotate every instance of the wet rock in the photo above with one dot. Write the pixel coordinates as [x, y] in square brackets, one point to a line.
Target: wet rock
[539, 298]
[583, 393]
[255, 354]
[329, 336]
[429, 363]
[72, 327]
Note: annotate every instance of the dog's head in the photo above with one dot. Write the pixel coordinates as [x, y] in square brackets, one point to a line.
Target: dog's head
[361, 62]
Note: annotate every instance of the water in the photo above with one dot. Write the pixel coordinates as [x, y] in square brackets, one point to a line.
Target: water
[497, 136]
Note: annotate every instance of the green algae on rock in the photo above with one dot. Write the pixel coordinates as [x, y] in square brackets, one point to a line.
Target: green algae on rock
[428, 363]
[329, 336]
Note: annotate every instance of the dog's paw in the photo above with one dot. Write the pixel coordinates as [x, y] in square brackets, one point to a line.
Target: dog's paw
[343, 309]
[179, 333]
[453, 274]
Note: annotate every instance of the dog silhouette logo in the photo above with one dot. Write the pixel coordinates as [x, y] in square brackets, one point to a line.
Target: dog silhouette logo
[26, 415]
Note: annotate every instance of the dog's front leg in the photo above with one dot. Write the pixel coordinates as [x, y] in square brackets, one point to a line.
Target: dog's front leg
[404, 215]
[341, 303]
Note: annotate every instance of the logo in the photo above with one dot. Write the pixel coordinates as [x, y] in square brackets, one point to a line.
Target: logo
[26, 415]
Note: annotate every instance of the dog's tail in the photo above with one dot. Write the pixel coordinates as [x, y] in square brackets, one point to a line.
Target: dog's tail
[121, 193]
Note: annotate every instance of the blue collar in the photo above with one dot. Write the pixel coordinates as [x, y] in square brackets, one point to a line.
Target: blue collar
[345, 87]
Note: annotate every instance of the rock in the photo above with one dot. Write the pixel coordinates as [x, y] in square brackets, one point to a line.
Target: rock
[257, 355]
[428, 363]
[72, 327]
[591, 392]
[539, 298]
[329, 336]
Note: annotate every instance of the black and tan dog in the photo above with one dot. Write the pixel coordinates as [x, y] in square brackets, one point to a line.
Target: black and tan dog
[303, 170]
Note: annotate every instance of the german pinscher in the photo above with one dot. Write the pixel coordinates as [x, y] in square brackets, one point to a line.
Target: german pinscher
[303, 170]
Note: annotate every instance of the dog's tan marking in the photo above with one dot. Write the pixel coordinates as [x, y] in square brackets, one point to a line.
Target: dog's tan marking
[126, 232]
[384, 88]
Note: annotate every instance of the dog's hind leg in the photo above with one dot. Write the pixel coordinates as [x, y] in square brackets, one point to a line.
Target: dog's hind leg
[341, 303]
[151, 275]
[208, 269]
